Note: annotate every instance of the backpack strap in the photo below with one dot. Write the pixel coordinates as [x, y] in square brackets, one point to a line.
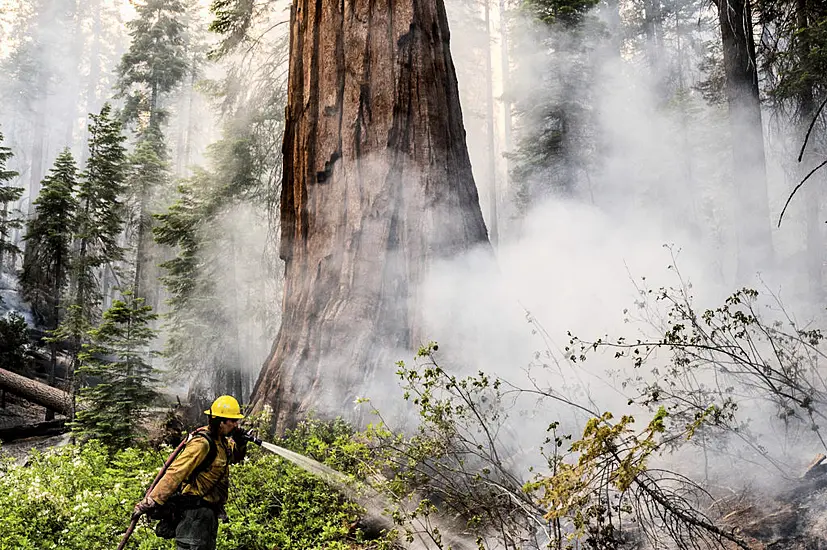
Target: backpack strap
[204, 465]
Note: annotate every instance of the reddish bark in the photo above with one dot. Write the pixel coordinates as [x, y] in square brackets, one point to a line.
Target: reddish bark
[377, 185]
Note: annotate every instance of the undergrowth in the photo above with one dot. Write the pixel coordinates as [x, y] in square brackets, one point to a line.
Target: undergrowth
[81, 497]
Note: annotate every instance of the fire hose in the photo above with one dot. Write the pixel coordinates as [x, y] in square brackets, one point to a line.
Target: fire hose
[161, 472]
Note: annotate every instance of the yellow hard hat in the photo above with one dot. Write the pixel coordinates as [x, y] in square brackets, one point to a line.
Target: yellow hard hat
[226, 407]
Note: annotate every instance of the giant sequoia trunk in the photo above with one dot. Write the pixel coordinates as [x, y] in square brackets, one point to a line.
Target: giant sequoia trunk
[749, 164]
[377, 185]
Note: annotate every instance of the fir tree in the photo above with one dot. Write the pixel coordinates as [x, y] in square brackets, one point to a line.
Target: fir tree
[49, 236]
[14, 342]
[197, 279]
[150, 175]
[156, 62]
[8, 195]
[100, 216]
[116, 363]
[99, 223]
[553, 145]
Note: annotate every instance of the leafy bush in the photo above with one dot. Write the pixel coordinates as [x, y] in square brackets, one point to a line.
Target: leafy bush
[81, 497]
[74, 498]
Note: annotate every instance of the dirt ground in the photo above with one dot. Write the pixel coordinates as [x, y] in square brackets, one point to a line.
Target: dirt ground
[19, 412]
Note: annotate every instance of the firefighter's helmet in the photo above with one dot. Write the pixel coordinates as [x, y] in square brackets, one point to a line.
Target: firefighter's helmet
[225, 406]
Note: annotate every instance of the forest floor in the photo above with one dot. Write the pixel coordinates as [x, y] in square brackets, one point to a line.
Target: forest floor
[19, 412]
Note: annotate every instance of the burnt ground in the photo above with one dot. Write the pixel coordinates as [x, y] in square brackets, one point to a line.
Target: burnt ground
[793, 519]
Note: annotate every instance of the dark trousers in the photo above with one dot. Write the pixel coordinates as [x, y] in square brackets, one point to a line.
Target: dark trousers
[197, 530]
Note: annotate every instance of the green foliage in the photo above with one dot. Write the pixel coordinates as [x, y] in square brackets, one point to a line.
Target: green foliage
[8, 194]
[556, 138]
[567, 12]
[775, 362]
[797, 64]
[456, 458]
[232, 19]
[14, 342]
[49, 240]
[201, 279]
[335, 443]
[118, 376]
[75, 498]
[149, 176]
[276, 505]
[99, 223]
[594, 485]
[155, 63]
[103, 183]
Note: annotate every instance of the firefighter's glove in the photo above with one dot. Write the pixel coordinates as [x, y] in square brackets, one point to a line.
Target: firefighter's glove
[239, 436]
[242, 437]
[143, 507]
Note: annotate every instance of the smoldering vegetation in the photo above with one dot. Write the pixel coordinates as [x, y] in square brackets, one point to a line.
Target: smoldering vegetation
[602, 146]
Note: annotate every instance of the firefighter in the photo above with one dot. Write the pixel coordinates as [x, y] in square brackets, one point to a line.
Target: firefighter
[196, 485]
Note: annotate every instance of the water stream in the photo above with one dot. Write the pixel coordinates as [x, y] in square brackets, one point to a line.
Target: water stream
[376, 503]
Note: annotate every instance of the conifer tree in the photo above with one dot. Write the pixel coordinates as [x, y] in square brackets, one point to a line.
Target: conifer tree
[197, 339]
[154, 66]
[99, 223]
[155, 63]
[14, 342]
[8, 194]
[117, 358]
[554, 120]
[100, 215]
[49, 236]
[149, 174]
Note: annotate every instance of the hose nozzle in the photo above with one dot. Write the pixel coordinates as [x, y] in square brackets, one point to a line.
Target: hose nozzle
[249, 436]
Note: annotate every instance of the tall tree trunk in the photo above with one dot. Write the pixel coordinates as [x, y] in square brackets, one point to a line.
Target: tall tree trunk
[814, 239]
[377, 185]
[55, 321]
[749, 169]
[4, 236]
[92, 103]
[36, 168]
[505, 70]
[493, 226]
[653, 30]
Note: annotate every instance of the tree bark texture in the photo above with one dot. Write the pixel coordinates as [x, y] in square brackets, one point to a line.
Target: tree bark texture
[377, 185]
[36, 392]
[749, 163]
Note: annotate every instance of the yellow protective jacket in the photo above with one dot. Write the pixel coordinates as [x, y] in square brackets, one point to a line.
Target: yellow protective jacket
[211, 484]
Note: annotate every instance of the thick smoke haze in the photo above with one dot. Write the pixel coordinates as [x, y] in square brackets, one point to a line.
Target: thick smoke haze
[651, 186]
[661, 197]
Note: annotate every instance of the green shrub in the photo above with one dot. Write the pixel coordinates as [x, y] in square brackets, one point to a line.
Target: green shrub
[81, 498]
[74, 498]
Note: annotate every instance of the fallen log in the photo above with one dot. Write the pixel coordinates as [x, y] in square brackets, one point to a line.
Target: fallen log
[36, 392]
[49, 427]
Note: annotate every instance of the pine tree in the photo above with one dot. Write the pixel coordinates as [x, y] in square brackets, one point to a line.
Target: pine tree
[8, 195]
[116, 365]
[554, 120]
[101, 215]
[149, 175]
[14, 342]
[99, 223]
[49, 237]
[155, 63]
